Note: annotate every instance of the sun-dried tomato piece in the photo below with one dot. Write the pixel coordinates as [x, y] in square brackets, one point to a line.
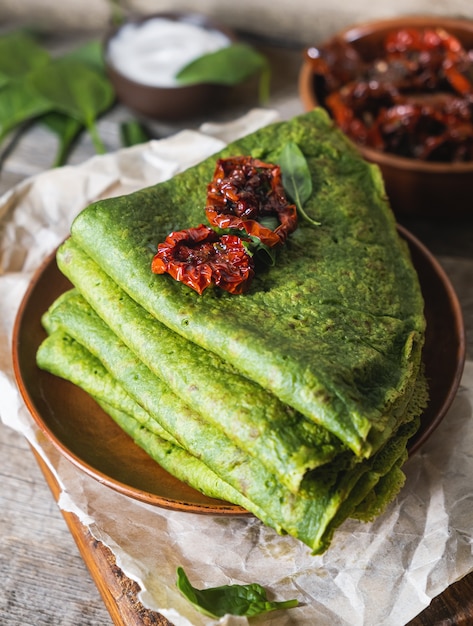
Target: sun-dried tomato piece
[246, 191]
[199, 257]
[415, 99]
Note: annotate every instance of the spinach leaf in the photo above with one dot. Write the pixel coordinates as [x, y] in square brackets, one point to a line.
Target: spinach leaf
[65, 94]
[19, 53]
[261, 251]
[133, 132]
[296, 178]
[248, 600]
[77, 90]
[67, 129]
[20, 103]
[90, 53]
[228, 66]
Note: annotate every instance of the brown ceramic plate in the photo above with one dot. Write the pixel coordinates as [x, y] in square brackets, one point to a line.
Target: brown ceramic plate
[84, 434]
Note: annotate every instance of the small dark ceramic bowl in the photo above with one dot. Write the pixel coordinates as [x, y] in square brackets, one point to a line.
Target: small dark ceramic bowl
[414, 187]
[167, 103]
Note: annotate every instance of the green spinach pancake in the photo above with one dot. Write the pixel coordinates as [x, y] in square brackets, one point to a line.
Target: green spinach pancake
[311, 380]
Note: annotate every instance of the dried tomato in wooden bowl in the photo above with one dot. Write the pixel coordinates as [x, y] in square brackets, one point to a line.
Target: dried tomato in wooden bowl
[402, 90]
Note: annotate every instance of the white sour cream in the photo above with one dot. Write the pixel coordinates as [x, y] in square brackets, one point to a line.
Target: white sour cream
[154, 51]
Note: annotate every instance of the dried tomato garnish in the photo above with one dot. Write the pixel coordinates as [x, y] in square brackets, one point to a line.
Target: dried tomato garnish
[414, 100]
[245, 191]
[199, 257]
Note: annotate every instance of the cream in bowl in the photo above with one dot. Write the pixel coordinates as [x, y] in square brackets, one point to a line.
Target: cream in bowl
[144, 57]
[153, 52]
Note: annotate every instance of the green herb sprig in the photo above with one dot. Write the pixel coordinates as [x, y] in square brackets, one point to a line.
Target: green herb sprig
[228, 66]
[248, 600]
[253, 245]
[296, 178]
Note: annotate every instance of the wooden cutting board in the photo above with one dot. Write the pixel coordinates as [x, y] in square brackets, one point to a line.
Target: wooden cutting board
[454, 607]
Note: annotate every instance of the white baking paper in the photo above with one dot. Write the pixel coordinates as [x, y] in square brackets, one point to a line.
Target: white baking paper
[384, 573]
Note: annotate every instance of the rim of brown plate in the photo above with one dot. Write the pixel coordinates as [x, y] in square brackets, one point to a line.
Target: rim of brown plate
[421, 253]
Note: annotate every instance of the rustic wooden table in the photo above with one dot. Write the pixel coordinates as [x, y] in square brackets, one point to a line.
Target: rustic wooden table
[44, 578]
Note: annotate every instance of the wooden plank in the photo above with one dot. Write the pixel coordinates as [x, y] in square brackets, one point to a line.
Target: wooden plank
[118, 592]
[453, 607]
[43, 574]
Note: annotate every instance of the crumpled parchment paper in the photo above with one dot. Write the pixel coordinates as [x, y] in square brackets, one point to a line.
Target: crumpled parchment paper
[385, 572]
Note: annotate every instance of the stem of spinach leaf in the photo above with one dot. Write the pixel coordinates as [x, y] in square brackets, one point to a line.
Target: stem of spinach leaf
[296, 178]
[96, 139]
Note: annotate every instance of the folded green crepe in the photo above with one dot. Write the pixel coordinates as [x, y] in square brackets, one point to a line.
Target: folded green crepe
[334, 329]
[217, 467]
[62, 356]
[295, 400]
[256, 420]
[71, 314]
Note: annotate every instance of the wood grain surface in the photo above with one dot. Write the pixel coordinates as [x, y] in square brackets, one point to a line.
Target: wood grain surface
[49, 563]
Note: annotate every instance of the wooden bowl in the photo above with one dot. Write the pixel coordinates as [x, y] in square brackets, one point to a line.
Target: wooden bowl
[166, 103]
[414, 187]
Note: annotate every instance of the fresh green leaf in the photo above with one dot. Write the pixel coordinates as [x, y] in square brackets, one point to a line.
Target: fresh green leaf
[133, 132]
[296, 177]
[228, 66]
[90, 53]
[20, 103]
[19, 54]
[295, 172]
[248, 600]
[269, 221]
[252, 244]
[264, 252]
[67, 129]
[75, 89]
[66, 94]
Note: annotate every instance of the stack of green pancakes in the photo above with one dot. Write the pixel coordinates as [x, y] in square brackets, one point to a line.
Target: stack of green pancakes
[295, 400]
